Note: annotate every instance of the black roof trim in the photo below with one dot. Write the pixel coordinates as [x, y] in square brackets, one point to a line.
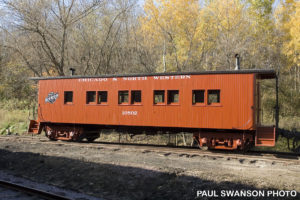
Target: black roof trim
[271, 73]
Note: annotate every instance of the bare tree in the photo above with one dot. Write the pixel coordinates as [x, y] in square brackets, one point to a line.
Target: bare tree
[103, 40]
[46, 25]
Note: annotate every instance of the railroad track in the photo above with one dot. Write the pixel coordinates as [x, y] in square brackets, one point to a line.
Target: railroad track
[167, 150]
[31, 191]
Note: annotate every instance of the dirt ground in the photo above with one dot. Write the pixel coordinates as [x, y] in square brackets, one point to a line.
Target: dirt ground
[134, 173]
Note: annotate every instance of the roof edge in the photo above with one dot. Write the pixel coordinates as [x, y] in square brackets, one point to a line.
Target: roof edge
[245, 71]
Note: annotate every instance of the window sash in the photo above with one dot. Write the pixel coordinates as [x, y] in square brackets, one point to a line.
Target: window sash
[102, 97]
[90, 97]
[68, 97]
[173, 96]
[198, 96]
[213, 96]
[123, 97]
[159, 96]
[136, 96]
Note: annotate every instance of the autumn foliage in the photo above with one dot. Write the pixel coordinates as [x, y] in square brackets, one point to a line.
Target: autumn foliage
[46, 38]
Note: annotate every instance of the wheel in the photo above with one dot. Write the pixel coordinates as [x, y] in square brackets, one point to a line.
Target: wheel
[48, 135]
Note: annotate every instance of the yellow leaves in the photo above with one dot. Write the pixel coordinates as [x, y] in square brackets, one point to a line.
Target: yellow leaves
[288, 16]
[169, 16]
[190, 31]
[224, 18]
[14, 67]
[172, 22]
[295, 35]
[198, 33]
[225, 14]
[51, 72]
[295, 22]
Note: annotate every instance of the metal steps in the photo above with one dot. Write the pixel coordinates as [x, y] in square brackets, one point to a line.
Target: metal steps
[265, 136]
[33, 127]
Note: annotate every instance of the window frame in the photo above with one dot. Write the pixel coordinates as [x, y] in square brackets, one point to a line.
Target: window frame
[164, 97]
[97, 97]
[90, 102]
[199, 103]
[219, 97]
[169, 92]
[132, 97]
[68, 102]
[128, 100]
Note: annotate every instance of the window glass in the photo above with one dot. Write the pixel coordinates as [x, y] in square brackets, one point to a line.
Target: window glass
[136, 96]
[123, 97]
[102, 97]
[198, 96]
[213, 96]
[68, 97]
[159, 96]
[90, 97]
[173, 96]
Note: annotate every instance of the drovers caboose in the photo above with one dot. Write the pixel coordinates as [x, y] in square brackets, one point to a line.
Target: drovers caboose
[221, 108]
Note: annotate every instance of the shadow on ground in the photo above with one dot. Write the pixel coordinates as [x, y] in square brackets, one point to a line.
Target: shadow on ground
[110, 181]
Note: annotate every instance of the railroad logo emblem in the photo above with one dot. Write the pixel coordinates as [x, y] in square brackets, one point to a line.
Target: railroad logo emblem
[51, 98]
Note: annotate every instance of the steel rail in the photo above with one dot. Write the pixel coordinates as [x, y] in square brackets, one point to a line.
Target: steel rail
[173, 149]
[32, 191]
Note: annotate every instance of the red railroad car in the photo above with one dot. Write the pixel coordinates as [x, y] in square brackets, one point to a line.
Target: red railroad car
[221, 108]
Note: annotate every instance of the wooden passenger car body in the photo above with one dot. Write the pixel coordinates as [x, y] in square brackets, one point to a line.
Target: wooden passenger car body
[227, 122]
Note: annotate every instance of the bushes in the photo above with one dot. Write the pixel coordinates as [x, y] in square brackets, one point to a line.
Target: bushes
[15, 121]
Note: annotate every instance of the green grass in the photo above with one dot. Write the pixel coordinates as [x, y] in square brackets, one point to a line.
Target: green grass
[15, 120]
[280, 146]
[290, 122]
[15, 115]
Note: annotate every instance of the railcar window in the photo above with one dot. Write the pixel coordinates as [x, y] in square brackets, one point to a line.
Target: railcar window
[136, 96]
[213, 96]
[68, 97]
[198, 96]
[159, 96]
[123, 97]
[102, 97]
[90, 97]
[173, 96]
